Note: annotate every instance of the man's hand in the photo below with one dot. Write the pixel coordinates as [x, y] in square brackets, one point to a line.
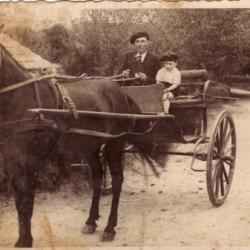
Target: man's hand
[141, 75]
[126, 73]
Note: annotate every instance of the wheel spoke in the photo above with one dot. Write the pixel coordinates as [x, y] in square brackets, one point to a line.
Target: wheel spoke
[225, 127]
[229, 162]
[215, 154]
[225, 142]
[224, 172]
[217, 143]
[216, 167]
[227, 158]
[221, 134]
[215, 164]
[221, 181]
[217, 185]
[220, 131]
[215, 150]
[228, 149]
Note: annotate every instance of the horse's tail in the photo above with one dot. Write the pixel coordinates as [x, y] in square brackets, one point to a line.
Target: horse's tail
[149, 151]
[149, 148]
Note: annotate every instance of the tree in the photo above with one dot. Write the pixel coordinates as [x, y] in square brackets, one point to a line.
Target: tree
[218, 39]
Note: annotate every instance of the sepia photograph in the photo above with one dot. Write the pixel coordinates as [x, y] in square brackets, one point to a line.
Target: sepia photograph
[125, 125]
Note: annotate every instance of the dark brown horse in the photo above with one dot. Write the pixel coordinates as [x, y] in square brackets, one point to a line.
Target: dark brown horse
[29, 140]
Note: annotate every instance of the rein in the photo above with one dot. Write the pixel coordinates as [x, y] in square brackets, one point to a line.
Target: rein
[35, 79]
[115, 78]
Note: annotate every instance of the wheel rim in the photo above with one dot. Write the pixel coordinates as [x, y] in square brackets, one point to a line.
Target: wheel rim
[221, 159]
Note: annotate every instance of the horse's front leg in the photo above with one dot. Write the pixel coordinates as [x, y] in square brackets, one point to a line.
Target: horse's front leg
[97, 175]
[24, 192]
[114, 154]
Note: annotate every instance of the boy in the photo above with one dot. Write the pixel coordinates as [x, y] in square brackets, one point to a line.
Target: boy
[170, 76]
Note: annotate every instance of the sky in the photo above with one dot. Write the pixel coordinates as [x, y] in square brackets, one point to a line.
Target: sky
[42, 15]
[39, 15]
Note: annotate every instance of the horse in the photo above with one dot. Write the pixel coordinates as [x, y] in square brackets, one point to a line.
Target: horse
[30, 139]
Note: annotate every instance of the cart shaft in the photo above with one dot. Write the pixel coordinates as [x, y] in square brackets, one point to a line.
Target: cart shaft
[96, 114]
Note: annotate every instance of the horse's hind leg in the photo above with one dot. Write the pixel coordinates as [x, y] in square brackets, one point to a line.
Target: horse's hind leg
[114, 154]
[24, 192]
[97, 175]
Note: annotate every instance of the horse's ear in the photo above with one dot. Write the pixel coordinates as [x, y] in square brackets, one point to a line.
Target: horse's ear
[1, 27]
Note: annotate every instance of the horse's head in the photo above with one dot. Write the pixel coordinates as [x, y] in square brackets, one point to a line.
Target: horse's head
[11, 71]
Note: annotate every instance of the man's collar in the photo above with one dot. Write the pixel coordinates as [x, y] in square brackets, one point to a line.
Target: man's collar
[143, 55]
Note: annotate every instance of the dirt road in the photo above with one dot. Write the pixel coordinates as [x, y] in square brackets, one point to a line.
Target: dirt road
[173, 211]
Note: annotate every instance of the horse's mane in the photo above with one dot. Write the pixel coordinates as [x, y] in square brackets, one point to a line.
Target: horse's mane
[7, 55]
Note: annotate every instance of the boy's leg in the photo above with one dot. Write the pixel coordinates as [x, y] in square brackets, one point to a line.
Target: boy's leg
[166, 101]
[166, 106]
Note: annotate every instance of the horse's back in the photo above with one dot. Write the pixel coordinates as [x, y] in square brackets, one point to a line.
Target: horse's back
[101, 95]
[94, 95]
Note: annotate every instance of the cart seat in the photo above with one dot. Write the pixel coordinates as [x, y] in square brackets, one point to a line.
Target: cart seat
[191, 91]
[148, 98]
[186, 100]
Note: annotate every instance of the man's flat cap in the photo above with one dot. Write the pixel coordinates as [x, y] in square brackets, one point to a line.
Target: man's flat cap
[169, 56]
[138, 35]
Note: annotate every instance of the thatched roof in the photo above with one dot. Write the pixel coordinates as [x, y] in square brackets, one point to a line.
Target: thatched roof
[26, 57]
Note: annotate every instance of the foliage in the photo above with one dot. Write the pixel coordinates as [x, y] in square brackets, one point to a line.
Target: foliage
[95, 44]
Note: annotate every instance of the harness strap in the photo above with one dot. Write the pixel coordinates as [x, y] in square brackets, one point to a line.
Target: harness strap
[27, 124]
[104, 135]
[38, 96]
[93, 133]
[53, 85]
[15, 86]
[67, 100]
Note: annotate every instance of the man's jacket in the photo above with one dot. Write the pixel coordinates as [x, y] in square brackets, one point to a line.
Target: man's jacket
[149, 66]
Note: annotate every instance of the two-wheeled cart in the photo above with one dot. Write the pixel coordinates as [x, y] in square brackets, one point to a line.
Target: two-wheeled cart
[186, 124]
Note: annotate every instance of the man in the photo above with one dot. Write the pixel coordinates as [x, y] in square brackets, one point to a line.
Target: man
[141, 64]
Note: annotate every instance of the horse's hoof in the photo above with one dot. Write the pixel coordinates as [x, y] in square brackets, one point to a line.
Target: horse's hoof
[107, 236]
[88, 229]
[24, 242]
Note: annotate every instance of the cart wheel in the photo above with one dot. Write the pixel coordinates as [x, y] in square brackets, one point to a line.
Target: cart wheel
[221, 159]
